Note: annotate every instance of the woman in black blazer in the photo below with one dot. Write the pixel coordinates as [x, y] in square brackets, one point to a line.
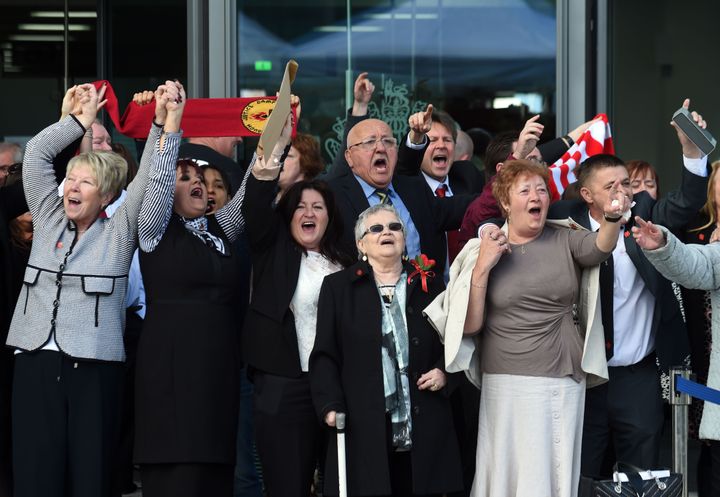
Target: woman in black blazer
[377, 359]
[293, 247]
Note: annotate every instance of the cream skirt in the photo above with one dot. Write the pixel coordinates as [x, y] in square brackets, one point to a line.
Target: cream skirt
[529, 436]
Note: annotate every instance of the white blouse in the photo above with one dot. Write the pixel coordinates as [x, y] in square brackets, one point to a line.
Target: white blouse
[304, 305]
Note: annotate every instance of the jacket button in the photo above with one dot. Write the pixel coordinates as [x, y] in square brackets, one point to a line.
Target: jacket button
[415, 341]
[416, 410]
[409, 309]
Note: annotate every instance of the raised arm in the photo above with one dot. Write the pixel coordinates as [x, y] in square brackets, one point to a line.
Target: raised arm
[230, 216]
[157, 203]
[613, 213]
[675, 209]
[692, 266]
[412, 148]
[362, 94]
[39, 179]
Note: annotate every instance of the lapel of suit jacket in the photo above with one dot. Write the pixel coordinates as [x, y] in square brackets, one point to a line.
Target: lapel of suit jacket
[354, 193]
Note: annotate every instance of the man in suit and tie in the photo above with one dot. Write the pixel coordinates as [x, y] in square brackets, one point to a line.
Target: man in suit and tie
[372, 154]
[436, 168]
[640, 314]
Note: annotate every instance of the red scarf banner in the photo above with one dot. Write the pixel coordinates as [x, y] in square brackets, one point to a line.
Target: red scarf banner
[596, 140]
[202, 116]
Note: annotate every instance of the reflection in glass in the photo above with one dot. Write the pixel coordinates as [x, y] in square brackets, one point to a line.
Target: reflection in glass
[474, 59]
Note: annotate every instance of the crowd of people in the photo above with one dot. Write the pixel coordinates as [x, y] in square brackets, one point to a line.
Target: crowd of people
[190, 317]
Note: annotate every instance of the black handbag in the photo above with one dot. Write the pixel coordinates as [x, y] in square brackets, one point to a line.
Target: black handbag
[631, 481]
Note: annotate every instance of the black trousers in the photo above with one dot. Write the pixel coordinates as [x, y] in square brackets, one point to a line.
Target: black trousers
[629, 409]
[65, 425]
[288, 434]
[465, 401]
[6, 370]
[187, 480]
[708, 471]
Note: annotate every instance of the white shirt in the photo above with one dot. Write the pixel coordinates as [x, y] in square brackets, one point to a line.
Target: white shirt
[633, 308]
[633, 303]
[313, 269]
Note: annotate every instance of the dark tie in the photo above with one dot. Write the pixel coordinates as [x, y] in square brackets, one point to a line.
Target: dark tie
[384, 195]
[607, 290]
[453, 236]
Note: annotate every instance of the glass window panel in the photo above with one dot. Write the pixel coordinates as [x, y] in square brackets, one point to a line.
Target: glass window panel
[472, 58]
[32, 61]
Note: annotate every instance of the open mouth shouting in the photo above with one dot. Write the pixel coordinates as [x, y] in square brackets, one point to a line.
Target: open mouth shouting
[440, 160]
[196, 192]
[308, 227]
[380, 164]
[535, 212]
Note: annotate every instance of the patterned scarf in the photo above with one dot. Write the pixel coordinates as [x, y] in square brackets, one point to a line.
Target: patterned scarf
[199, 228]
[395, 357]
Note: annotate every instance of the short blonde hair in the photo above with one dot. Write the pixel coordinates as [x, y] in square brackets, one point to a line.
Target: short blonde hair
[110, 170]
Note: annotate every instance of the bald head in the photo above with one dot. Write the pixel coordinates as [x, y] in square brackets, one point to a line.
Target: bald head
[372, 152]
[463, 146]
[100, 138]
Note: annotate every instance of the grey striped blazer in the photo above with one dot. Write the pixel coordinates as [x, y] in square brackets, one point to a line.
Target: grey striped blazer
[75, 289]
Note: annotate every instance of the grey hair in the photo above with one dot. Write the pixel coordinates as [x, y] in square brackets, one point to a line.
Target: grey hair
[15, 148]
[360, 224]
[110, 170]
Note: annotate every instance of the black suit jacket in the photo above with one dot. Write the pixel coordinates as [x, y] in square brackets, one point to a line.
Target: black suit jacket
[674, 211]
[346, 375]
[432, 216]
[12, 204]
[269, 340]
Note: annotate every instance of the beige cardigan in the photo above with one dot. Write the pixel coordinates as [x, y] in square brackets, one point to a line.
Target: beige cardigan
[447, 315]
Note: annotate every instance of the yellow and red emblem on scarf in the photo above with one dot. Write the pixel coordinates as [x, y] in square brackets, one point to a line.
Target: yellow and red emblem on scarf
[256, 114]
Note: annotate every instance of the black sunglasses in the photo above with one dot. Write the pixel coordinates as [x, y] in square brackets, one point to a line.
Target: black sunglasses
[379, 228]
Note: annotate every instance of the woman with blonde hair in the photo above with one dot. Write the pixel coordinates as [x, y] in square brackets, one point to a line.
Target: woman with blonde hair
[67, 329]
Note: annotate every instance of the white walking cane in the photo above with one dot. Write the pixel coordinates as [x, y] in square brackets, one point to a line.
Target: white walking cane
[342, 468]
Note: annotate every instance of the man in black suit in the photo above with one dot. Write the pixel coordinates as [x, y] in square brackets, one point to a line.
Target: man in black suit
[640, 314]
[372, 154]
[12, 204]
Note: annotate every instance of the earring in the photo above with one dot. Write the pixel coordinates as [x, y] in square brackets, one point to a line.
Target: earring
[405, 257]
[364, 257]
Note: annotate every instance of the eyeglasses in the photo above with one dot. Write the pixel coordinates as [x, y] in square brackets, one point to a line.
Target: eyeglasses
[379, 228]
[11, 168]
[370, 143]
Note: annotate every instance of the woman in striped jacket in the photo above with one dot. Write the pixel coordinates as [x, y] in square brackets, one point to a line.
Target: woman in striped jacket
[67, 329]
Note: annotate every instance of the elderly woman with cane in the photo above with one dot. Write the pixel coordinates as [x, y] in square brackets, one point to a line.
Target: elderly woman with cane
[68, 324]
[378, 360]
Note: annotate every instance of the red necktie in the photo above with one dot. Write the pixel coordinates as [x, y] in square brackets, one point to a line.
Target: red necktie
[453, 237]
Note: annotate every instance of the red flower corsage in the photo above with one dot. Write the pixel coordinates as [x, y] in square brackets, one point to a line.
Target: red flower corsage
[422, 266]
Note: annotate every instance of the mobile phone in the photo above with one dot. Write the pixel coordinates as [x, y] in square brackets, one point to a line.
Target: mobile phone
[700, 137]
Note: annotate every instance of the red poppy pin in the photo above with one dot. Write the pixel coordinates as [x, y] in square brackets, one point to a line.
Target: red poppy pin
[422, 266]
